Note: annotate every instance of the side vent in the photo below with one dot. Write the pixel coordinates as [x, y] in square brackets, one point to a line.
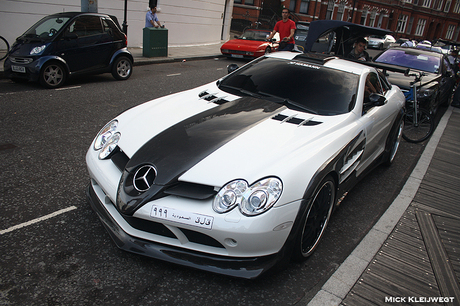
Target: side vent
[212, 98]
[295, 120]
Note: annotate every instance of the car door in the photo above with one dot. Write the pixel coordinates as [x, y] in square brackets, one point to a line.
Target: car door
[85, 45]
[447, 80]
[375, 119]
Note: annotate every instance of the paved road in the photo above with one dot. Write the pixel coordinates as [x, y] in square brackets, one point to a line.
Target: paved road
[69, 259]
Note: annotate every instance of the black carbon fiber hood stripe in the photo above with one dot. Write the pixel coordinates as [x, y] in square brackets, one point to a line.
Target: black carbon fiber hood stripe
[180, 147]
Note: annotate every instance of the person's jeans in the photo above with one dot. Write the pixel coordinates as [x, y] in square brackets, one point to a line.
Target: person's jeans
[287, 47]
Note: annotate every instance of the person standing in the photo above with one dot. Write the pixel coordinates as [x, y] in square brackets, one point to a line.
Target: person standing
[286, 28]
[151, 19]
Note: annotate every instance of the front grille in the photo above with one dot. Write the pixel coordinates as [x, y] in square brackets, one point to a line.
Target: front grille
[21, 60]
[161, 230]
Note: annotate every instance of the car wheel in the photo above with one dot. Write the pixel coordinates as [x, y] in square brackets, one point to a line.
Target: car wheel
[394, 139]
[315, 219]
[268, 50]
[52, 75]
[122, 68]
[381, 46]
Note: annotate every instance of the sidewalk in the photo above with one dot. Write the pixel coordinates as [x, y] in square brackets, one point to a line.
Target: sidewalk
[412, 255]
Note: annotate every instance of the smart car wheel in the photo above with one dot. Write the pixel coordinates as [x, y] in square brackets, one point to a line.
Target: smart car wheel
[52, 75]
[394, 139]
[122, 68]
[315, 219]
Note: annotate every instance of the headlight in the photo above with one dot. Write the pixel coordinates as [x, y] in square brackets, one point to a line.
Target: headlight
[251, 200]
[424, 93]
[107, 139]
[37, 50]
[104, 135]
[109, 146]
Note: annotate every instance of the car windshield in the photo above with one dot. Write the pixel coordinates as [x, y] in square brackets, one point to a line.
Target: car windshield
[299, 85]
[46, 28]
[411, 59]
[255, 35]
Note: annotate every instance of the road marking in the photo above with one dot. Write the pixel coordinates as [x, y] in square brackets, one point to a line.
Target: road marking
[65, 88]
[174, 74]
[56, 213]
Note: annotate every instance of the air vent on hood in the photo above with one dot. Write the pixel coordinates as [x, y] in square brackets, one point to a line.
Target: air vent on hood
[212, 98]
[296, 120]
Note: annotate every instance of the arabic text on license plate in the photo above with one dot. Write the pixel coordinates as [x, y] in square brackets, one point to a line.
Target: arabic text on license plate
[237, 55]
[183, 217]
[18, 69]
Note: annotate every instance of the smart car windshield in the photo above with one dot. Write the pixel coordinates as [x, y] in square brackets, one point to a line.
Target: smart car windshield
[411, 59]
[300, 85]
[46, 28]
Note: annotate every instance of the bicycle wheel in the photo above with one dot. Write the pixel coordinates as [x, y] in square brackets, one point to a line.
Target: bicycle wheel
[4, 48]
[422, 130]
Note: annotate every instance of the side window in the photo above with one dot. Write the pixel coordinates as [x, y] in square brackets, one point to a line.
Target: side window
[86, 26]
[384, 82]
[372, 85]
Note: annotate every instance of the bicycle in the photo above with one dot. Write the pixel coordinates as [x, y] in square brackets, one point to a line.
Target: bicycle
[418, 122]
[4, 48]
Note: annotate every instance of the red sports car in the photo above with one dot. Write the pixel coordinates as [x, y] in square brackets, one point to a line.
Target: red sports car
[251, 44]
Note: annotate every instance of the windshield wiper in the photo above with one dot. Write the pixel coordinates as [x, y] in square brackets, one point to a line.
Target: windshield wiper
[243, 91]
[287, 101]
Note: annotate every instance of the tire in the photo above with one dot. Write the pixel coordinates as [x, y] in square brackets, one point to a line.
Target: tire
[381, 47]
[268, 50]
[394, 139]
[315, 219]
[424, 128]
[52, 75]
[122, 68]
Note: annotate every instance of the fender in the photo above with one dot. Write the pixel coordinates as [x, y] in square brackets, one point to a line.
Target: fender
[123, 51]
[42, 61]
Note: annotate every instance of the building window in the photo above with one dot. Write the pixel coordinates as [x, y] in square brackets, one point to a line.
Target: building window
[408, 1]
[372, 18]
[426, 3]
[447, 7]
[409, 27]
[237, 1]
[292, 5]
[330, 9]
[340, 10]
[420, 27]
[304, 6]
[457, 7]
[402, 22]
[450, 31]
[364, 16]
[439, 7]
[249, 2]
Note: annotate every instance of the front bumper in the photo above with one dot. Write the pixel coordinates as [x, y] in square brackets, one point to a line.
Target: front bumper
[246, 267]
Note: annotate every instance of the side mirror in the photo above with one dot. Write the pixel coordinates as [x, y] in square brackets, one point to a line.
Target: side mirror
[232, 67]
[376, 99]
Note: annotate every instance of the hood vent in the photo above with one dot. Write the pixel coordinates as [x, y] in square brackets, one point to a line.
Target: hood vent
[299, 121]
[212, 98]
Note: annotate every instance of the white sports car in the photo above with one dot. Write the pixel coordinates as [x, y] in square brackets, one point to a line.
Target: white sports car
[242, 174]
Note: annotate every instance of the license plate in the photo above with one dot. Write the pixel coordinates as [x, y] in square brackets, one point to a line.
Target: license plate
[18, 69]
[184, 217]
[237, 55]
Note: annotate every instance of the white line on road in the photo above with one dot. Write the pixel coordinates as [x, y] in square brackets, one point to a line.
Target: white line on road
[65, 88]
[174, 74]
[56, 213]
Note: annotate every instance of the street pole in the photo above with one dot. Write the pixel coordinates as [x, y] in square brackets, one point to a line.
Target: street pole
[125, 24]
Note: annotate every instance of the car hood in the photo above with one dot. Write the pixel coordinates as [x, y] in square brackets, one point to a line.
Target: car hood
[242, 44]
[188, 139]
[403, 82]
[24, 47]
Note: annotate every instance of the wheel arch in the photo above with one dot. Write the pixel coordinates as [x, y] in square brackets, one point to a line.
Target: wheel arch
[121, 52]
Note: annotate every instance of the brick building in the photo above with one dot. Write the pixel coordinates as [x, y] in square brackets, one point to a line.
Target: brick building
[414, 19]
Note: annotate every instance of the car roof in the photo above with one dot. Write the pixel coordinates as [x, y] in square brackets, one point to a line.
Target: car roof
[74, 14]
